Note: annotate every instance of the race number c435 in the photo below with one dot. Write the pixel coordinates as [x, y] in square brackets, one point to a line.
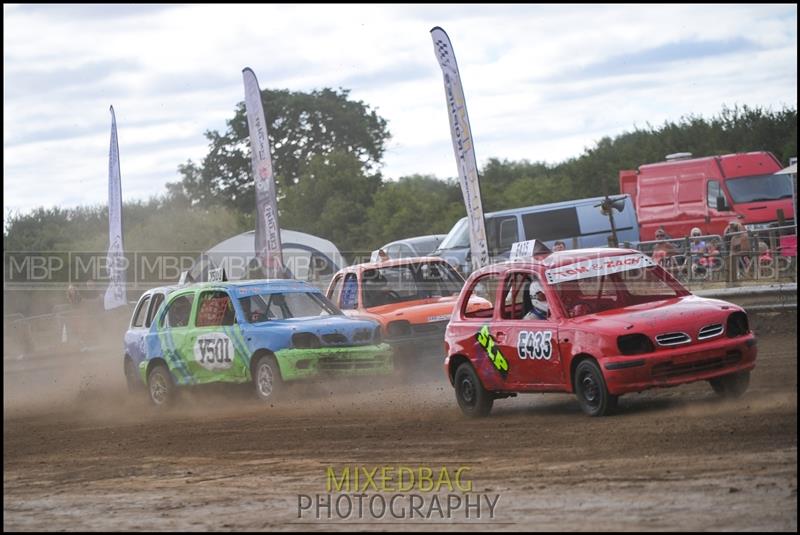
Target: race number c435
[535, 345]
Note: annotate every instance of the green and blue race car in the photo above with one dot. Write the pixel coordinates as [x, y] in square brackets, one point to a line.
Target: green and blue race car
[268, 332]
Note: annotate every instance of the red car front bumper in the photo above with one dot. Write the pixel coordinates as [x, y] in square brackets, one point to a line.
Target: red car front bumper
[681, 365]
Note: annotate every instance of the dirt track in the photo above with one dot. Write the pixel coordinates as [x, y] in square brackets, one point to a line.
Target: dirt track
[676, 459]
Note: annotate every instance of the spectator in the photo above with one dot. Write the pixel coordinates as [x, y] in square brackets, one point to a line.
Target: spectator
[73, 296]
[559, 246]
[727, 234]
[764, 254]
[663, 250]
[713, 260]
[738, 244]
[762, 258]
[698, 249]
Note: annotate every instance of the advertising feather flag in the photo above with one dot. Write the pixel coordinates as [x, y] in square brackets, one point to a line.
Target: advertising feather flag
[268, 248]
[116, 294]
[462, 146]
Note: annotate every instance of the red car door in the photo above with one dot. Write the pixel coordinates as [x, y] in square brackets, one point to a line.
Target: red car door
[474, 333]
[530, 344]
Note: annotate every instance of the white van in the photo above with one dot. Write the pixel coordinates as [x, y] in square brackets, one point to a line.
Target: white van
[578, 223]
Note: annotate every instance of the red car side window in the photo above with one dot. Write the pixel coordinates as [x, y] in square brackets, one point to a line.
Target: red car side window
[335, 290]
[516, 302]
[481, 298]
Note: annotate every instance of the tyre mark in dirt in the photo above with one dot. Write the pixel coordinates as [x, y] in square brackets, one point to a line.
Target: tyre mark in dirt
[670, 459]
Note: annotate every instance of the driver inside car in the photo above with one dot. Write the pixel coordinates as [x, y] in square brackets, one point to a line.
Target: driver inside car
[377, 291]
[252, 311]
[539, 308]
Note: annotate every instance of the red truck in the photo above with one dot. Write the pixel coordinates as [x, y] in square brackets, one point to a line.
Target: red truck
[684, 192]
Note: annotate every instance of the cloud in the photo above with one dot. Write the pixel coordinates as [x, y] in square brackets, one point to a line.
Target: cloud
[658, 58]
[64, 79]
[99, 12]
[169, 84]
[388, 76]
[542, 82]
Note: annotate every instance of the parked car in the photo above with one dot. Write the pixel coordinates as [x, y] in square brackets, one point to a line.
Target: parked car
[412, 298]
[268, 332]
[596, 322]
[411, 247]
[579, 224]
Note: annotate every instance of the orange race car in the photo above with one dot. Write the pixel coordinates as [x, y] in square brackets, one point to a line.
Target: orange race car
[412, 298]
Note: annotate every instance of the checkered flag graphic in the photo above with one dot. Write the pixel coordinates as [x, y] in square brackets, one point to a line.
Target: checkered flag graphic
[443, 51]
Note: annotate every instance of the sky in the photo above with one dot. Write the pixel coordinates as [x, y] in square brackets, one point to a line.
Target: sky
[542, 82]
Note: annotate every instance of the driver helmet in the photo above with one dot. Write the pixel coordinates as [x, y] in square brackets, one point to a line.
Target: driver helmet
[538, 298]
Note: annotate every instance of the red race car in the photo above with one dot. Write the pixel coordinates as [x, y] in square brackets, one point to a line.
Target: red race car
[597, 322]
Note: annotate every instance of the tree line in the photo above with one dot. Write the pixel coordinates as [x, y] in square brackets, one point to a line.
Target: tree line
[327, 151]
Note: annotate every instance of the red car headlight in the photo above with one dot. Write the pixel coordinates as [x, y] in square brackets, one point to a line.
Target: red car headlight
[738, 324]
[634, 344]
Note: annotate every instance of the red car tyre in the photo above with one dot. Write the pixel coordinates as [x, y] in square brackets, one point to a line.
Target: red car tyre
[474, 400]
[590, 388]
[731, 386]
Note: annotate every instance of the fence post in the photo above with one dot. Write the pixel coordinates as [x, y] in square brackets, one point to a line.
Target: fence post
[687, 259]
